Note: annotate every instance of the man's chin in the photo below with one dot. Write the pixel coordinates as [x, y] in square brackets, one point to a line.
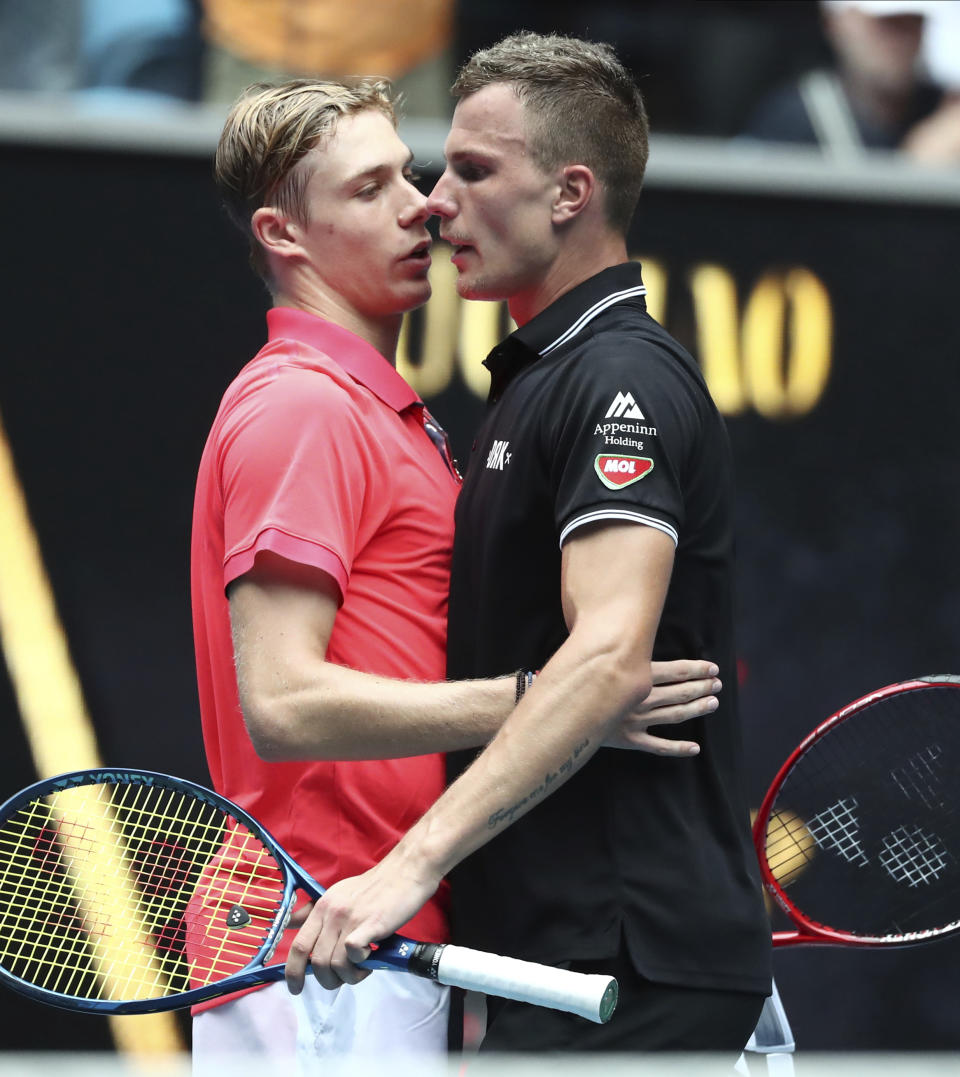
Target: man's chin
[477, 288]
[417, 297]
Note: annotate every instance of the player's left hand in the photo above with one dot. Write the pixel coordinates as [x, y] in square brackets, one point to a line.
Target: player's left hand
[339, 930]
[682, 690]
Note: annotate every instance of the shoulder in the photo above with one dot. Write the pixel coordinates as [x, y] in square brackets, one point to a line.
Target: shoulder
[632, 347]
[279, 414]
[628, 380]
[282, 387]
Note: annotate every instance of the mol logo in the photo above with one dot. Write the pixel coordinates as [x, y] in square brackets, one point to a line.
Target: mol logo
[619, 471]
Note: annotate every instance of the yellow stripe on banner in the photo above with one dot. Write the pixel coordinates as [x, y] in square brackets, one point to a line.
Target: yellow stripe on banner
[49, 696]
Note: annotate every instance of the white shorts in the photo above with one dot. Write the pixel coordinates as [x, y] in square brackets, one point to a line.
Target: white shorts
[389, 1016]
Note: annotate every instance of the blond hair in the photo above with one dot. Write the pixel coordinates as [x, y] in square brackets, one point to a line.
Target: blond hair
[581, 105]
[269, 131]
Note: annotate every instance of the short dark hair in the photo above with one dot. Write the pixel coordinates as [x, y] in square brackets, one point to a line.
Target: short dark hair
[581, 106]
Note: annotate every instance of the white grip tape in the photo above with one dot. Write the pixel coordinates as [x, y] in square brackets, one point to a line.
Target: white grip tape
[590, 995]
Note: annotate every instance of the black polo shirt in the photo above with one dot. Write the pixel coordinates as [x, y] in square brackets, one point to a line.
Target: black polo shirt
[596, 414]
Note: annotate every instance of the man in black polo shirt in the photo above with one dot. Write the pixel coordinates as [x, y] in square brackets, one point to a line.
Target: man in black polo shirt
[594, 533]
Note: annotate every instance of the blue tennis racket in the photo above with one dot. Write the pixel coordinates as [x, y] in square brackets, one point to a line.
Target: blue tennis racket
[128, 891]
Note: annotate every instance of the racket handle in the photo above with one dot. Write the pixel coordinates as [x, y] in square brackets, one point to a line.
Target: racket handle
[590, 995]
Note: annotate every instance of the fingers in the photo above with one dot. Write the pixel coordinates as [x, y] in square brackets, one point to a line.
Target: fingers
[678, 702]
[355, 954]
[298, 917]
[321, 945]
[674, 706]
[300, 950]
[331, 963]
[633, 732]
[647, 742]
[683, 669]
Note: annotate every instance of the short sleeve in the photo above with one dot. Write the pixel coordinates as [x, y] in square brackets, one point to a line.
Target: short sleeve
[294, 472]
[622, 431]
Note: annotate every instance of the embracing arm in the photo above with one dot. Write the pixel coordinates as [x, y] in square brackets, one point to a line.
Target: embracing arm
[297, 705]
[600, 673]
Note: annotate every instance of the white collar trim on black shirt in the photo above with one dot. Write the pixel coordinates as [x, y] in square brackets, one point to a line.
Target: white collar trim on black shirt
[589, 315]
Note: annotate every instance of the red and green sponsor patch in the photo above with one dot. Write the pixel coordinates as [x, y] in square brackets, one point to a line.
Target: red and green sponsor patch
[619, 471]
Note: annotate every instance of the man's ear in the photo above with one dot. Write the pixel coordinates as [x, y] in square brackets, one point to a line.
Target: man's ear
[275, 231]
[577, 189]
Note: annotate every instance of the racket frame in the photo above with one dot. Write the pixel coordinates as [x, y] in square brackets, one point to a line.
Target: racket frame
[256, 971]
[809, 932]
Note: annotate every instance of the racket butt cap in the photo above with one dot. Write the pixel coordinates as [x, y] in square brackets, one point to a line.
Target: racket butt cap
[608, 1003]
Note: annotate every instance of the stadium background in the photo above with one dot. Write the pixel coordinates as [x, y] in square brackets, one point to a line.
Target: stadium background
[819, 300]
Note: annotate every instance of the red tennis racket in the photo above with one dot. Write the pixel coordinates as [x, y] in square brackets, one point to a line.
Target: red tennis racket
[859, 834]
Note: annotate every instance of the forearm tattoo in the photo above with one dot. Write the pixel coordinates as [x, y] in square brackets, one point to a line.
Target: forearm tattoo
[505, 816]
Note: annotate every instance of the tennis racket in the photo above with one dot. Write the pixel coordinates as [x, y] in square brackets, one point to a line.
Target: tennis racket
[859, 834]
[125, 891]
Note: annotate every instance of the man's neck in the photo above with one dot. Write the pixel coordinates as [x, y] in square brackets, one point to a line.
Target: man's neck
[381, 333]
[575, 264]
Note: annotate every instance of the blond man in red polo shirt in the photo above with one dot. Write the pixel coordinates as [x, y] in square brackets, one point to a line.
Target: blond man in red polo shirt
[321, 550]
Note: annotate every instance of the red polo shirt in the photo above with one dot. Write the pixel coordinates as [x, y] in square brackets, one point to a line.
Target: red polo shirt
[319, 454]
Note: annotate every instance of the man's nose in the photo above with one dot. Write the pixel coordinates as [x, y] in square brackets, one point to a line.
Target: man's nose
[415, 212]
[440, 200]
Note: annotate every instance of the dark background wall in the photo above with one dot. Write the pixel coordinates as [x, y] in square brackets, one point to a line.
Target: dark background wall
[128, 306]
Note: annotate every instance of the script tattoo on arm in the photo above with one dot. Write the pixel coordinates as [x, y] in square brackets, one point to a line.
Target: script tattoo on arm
[505, 816]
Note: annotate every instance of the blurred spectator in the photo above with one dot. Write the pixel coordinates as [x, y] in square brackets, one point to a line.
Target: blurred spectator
[406, 41]
[941, 44]
[702, 64]
[39, 44]
[114, 50]
[874, 97]
[936, 140]
[146, 46]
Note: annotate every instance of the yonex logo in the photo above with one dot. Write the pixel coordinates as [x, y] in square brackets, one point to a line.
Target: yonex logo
[498, 457]
[619, 471]
[624, 407]
[237, 917]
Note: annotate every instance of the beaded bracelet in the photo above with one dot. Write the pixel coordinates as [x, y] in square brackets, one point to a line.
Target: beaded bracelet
[525, 677]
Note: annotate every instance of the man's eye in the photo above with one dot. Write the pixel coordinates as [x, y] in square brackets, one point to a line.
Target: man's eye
[411, 177]
[369, 191]
[471, 172]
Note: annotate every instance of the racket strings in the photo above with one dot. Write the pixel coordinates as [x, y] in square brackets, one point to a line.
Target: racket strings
[62, 923]
[911, 856]
[57, 927]
[117, 892]
[864, 834]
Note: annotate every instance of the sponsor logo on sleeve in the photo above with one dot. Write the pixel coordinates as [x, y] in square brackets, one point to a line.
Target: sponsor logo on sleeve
[618, 471]
[629, 426]
[624, 407]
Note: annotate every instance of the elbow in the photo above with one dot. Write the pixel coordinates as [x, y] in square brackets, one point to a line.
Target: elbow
[265, 733]
[282, 730]
[270, 749]
[269, 729]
